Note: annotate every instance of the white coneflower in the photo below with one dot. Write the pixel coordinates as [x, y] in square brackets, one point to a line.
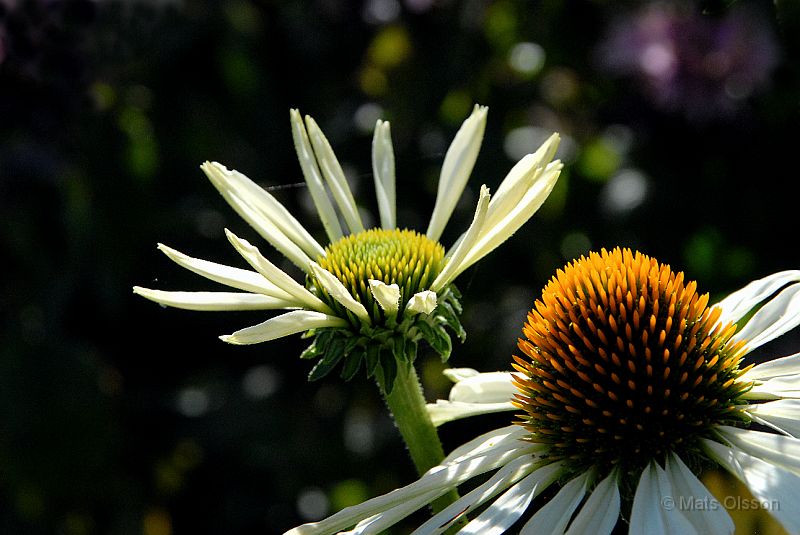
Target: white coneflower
[630, 386]
[369, 294]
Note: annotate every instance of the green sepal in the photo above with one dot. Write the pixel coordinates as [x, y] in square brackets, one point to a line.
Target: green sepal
[333, 354]
[373, 356]
[388, 370]
[317, 347]
[449, 315]
[352, 362]
[438, 339]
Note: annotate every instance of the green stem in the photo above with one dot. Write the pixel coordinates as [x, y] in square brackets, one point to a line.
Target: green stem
[407, 405]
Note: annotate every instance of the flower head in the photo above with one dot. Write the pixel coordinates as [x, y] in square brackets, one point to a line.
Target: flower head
[369, 295]
[630, 385]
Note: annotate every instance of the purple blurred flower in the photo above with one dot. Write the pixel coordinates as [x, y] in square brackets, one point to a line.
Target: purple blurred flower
[698, 64]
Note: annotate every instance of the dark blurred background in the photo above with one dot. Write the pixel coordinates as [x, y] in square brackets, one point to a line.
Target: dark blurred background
[679, 124]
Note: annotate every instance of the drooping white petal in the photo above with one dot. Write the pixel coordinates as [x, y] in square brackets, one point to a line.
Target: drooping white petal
[457, 166]
[443, 411]
[777, 449]
[655, 510]
[384, 174]
[386, 519]
[710, 517]
[263, 211]
[241, 279]
[290, 323]
[779, 315]
[387, 295]
[334, 175]
[481, 455]
[454, 264]
[784, 386]
[214, 301]
[774, 368]
[509, 507]
[313, 177]
[423, 302]
[510, 222]
[783, 414]
[338, 291]
[775, 488]
[600, 513]
[742, 301]
[459, 374]
[554, 516]
[520, 179]
[275, 275]
[489, 387]
[504, 478]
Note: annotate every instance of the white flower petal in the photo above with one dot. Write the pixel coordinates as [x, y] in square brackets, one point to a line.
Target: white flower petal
[387, 295]
[783, 414]
[384, 174]
[490, 387]
[290, 323]
[334, 175]
[388, 518]
[275, 275]
[457, 166]
[774, 368]
[711, 518]
[313, 177]
[474, 458]
[459, 374]
[504, 478]
[509, 507]
[779, 315]
[520, 179]
[259, 208]
[510, 222]
[600, 513]
[651, 513]
[338, 291]
[242, 279]
[454, 264]
[776, 489]
[777, 449]
[443, 411]
[554, 515]
[214, 301]
[423, 302]
[742, 301]
[785, 386]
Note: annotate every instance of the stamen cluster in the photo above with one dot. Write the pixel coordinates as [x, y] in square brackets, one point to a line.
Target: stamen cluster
[625, 362]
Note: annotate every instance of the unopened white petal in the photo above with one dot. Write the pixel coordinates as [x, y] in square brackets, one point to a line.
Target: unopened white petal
[600, 513]
[789, 365]
[423, 302]
[334, 176]
[457, 166]
[503, 479]
[554, 515]
[742, 301]
[775, 488]
[290, 323]
[779, 315]
[214, 301]
[654, 511]
[783, 414]
[454, 264]
[252, 201]
[313, 177]
[275, 275]
[443, 411]
[711, 517]
[387, 295]
[384, 174]
[338, 291]
[509, 507]
[242, 279]
[490, 387]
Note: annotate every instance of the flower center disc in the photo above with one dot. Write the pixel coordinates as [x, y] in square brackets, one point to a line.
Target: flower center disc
[402, 257]
[625, 363]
